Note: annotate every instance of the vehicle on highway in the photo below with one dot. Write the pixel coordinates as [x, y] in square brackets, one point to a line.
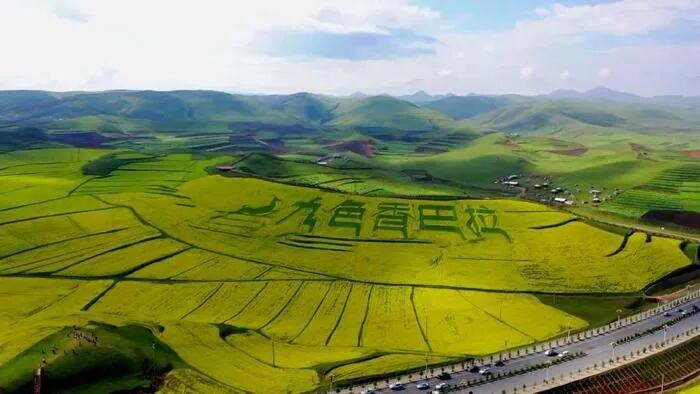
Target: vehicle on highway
[441, 386]
[474, 369]
[444, 376]
[398, 385]
[667, 314]
[422, 386]
[485, 371]
[550, 352]
[499, 363]
[368, 391]
[564, 353]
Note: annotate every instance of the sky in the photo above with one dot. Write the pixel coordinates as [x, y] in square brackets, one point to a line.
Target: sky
[648, 47]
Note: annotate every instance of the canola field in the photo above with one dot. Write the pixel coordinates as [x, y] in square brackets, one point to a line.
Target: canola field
[263, 287]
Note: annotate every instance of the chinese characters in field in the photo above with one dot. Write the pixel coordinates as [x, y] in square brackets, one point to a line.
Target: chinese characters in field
[472, 222]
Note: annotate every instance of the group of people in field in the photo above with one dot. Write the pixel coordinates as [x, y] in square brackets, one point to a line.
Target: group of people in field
[76, 334]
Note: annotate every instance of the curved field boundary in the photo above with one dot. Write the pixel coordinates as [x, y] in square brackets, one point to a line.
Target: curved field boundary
[420, 326]
[247, 304]
[97, 298]
[364, 318]
[340, 316]
[289, 301]
[293, 245]
[547, 226]
[204, 301]
[354, 240]
[311, 318]
[622, 246]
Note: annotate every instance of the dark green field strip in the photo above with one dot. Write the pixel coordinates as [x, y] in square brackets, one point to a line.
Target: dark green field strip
[369, 192]
[491, 259]
[146, 170]
[314, 242]
[265, 271]
[111, 231]
[423, 330]
[219, 231]
[116, 248]
[204, 301]
[33, 203]
[289, 301]
[340, 317]
[364, 318]
[368, 240]
[150, 262]
[228, 216]
[98, 297]
[307, 247]
[54, 302]
[355, 182]
[32, 164]
[67, 214]
[336, 180]
[238, 226]
[192, 268]
[71, 254]
[247, 304]
[622, 246]
[313, 315]
[554, 225]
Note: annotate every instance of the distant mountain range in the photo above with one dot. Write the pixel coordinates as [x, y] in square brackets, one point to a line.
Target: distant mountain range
[602, 93]
[137, 112]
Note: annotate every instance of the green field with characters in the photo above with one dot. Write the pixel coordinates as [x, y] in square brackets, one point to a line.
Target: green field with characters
[134, 270]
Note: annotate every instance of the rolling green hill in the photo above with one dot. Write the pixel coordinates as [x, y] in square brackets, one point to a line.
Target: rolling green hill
[464, 107]
[388, 112]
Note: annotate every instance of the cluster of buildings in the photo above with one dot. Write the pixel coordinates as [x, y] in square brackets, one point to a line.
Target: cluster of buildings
[548, 193]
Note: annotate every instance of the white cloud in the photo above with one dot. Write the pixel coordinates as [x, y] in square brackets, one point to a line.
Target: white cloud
[526, 72]
[542, 11]
[207, 45]
[565, 75]
[603, 73]
[445, 73]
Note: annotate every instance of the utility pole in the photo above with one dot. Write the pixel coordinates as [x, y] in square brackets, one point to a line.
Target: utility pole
[662, 382]
[612, 344]
[619, 316]
[665, 333]
[273, 354]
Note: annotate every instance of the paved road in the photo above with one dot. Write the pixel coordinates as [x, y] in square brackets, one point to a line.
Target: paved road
[598, 349]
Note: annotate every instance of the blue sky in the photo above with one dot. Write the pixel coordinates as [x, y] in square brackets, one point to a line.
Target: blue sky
[490, 15]
[648, 47]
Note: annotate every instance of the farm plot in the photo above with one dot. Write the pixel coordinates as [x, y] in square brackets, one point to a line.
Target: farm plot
[29, 177]
[321, 327]
[198, 264]
[293, 355]
[125, 260]
[676, 189]
[267, 305]
[391, 310]
[161, 175]
[54, 243]
[201, 347]
[150, 301]
[297, 315]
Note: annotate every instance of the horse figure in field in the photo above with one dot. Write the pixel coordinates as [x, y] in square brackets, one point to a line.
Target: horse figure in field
[258, 211]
